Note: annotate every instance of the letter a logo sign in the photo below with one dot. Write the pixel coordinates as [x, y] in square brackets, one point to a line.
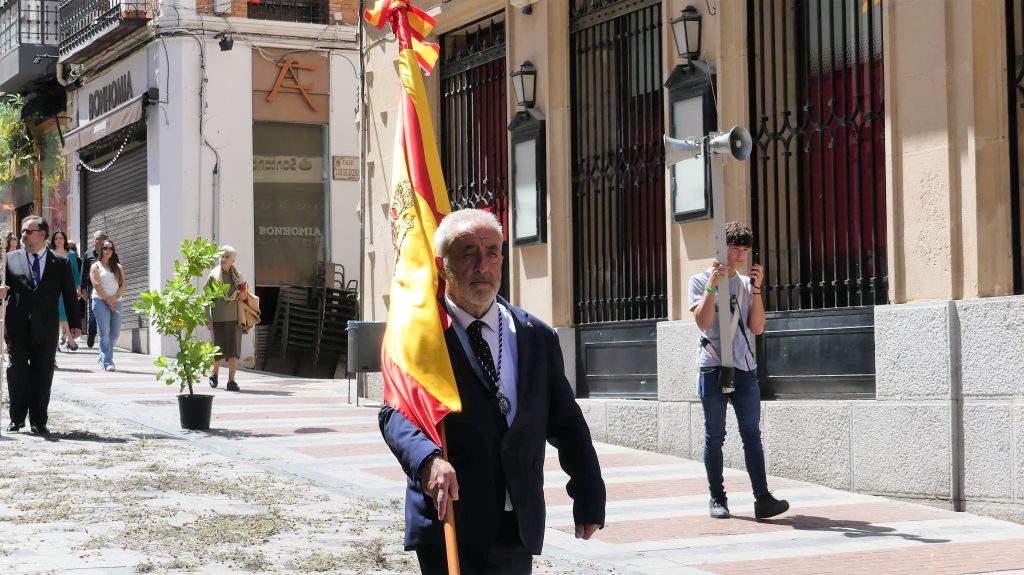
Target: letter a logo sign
[288, 77]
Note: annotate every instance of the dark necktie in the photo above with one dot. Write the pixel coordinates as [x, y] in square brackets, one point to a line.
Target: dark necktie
[482, 351]
[35, 272]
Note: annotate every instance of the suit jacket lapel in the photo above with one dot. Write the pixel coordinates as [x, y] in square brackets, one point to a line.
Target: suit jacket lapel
[20, 268]
[524, 343]
[49, 269]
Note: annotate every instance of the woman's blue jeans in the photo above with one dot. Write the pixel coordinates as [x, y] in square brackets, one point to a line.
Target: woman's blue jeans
[108, 324]
[746, 402]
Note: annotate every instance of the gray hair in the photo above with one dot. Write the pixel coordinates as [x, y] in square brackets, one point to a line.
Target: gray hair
[229, 250]
[456, 221]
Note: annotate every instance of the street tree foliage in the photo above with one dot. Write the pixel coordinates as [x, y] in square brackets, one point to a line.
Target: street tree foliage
[182, 308]
[16, 147]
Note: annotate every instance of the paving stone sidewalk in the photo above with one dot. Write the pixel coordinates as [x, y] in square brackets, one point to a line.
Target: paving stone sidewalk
[294, 478]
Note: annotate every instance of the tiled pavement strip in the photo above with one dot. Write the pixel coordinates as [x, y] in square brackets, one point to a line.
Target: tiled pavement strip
[657, 510]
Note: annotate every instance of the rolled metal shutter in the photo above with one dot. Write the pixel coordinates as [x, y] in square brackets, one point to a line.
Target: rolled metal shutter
[116, 202]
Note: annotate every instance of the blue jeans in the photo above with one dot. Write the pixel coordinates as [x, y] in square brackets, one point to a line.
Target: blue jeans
[108, 324]
[746, 402]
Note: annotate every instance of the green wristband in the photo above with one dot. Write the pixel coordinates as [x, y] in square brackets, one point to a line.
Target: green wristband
[710, 289]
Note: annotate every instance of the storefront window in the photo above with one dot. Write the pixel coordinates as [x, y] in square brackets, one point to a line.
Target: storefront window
[55, 184]
[289, 191]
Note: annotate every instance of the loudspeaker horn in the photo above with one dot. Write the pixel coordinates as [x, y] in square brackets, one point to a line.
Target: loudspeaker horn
[679, 150]
[736, 142]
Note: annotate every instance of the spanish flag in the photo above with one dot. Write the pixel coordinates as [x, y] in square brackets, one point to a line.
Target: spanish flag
[418, 379]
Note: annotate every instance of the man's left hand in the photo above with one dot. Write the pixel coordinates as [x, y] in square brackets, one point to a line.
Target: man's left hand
[586, 531]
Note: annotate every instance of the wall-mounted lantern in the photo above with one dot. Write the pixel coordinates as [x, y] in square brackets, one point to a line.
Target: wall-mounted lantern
[524, 80]
[686, 30]
[529, 178]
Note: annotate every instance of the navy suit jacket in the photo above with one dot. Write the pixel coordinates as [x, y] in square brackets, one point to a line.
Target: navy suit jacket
[33, 314]
[490, 457]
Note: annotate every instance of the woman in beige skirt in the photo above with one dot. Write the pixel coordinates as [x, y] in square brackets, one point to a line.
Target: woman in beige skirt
[223, 318]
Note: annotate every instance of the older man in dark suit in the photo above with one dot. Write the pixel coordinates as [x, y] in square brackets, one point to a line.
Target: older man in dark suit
[515, 397]
[35, 279]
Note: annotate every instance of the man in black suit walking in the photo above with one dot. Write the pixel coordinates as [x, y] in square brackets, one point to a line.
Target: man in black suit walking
[90, 257]
[35, 279]
[515, 397]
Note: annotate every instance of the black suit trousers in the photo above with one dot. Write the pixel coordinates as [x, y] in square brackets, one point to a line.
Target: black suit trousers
[29, 379]
[508, 555]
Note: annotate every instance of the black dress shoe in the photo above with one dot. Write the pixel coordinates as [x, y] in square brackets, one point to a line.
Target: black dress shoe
[232, 386]
[90, 340]
[15, 427]
[40, 430]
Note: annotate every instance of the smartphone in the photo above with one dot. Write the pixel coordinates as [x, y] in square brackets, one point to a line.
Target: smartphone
[757, 258]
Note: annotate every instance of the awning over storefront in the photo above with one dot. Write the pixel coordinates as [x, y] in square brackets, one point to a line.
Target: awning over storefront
[124, 115]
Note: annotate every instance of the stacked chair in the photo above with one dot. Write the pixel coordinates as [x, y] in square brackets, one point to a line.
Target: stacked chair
[337, 302]
[309, 323]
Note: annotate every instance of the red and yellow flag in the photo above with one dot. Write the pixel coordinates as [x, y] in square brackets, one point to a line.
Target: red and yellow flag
[416, 25]
[418, 378]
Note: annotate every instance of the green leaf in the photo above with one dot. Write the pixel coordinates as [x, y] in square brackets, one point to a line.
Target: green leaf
[180, 309]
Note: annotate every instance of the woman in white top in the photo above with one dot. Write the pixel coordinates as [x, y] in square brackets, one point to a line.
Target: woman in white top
[108, 287]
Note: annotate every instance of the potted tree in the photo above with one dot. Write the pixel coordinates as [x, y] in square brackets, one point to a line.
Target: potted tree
[177, 312]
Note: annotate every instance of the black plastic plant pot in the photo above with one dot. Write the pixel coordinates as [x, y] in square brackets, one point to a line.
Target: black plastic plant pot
[194, 411]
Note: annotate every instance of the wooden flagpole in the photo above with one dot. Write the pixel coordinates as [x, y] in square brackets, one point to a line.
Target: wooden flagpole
[451, 544]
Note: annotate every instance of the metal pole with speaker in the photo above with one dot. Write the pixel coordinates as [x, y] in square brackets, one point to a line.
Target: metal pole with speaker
[737, 144]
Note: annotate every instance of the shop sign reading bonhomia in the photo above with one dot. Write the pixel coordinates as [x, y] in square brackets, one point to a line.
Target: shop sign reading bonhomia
[120, 84]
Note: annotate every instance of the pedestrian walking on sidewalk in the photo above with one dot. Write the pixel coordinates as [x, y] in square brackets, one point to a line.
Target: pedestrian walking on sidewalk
[11, 242]
[743, 295]
[59, 244]
[36, 279]
[108, 285]
[514, 394]
[90, 257]
[223, 317]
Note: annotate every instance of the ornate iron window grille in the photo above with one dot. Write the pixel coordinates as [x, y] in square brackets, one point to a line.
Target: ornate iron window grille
[23, 22]
[617, 161]
[474, 119]
[303, 11]
[818, 178]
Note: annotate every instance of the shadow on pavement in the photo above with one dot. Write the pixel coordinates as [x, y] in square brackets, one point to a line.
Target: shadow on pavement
[265, 392]
[76, 370]
[239, 434]
[79, 435]
[152, 436]
[305, 430]
[149, 373]
[847, 528]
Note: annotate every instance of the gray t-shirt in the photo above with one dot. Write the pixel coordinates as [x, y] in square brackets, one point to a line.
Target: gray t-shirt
[743, 357]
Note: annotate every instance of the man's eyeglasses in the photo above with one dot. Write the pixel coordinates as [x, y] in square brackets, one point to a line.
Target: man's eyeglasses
[27, 231]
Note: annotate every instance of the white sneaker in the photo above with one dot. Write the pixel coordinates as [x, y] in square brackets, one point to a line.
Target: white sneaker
[109, 368]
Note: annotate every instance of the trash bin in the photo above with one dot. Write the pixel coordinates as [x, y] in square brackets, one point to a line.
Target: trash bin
[364, 341]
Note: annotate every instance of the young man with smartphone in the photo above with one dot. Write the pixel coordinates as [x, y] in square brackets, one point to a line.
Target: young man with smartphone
[723, 284]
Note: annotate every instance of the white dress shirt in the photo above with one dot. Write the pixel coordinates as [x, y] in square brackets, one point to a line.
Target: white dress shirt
[42, 261]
